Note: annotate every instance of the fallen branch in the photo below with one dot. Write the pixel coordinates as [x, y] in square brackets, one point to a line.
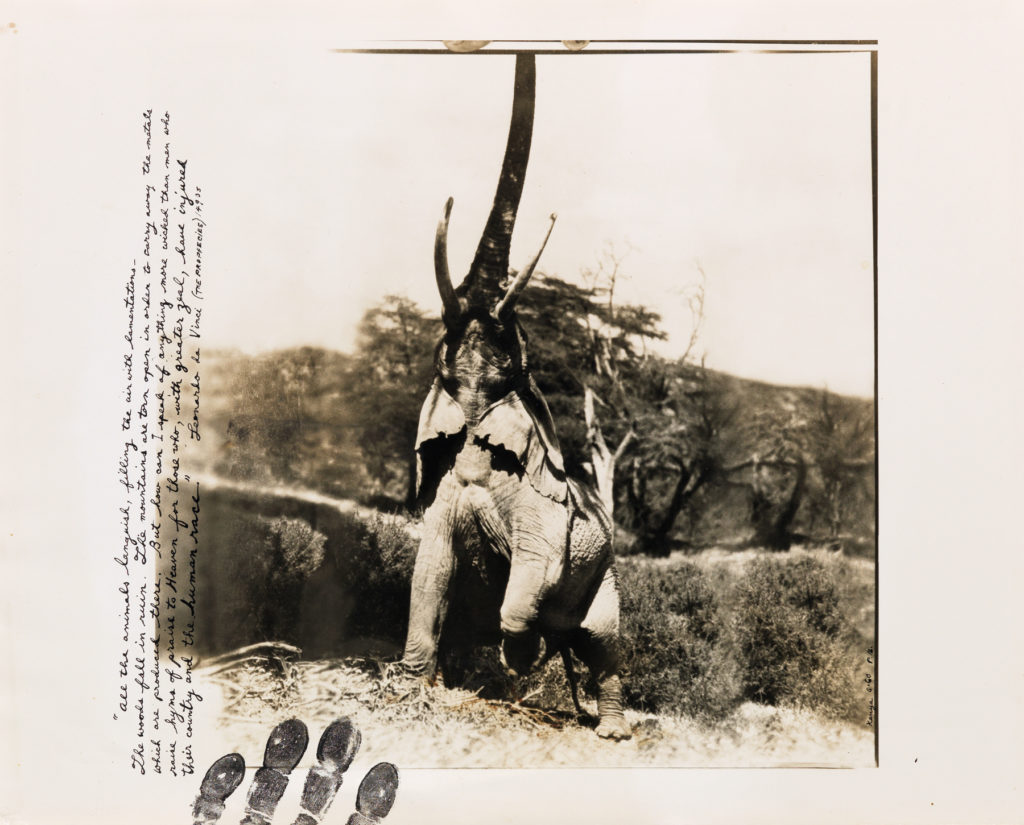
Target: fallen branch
[279, 649]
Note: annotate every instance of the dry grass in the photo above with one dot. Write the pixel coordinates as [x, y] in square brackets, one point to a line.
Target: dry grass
[415, 724]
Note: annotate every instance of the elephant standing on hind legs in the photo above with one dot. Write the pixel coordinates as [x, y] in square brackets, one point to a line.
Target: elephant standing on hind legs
[511, 547]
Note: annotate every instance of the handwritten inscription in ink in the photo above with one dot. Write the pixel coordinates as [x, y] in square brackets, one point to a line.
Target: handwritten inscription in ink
[155, 561]
[869, 683]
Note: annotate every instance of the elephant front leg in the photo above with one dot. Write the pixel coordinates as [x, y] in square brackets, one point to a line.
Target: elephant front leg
[520, 643]
[428, 603]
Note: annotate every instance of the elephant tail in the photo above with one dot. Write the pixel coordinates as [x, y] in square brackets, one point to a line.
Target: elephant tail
[570, 674]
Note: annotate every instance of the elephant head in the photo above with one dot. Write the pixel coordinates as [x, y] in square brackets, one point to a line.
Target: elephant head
[481, 359]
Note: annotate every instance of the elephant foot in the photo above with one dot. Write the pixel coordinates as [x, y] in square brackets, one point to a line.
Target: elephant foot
[520, 653]
[427, 672]
[615, 728]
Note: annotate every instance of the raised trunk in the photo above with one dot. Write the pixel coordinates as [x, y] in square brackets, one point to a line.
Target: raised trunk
[483, 284]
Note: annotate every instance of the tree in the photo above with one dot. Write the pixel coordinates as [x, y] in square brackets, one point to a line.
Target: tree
[813, 448]
[840, 440]
[279, 426]
[578, 343]
[603, 460]
[390, 376]
[667, 414]
[778, 480]
[682, 447]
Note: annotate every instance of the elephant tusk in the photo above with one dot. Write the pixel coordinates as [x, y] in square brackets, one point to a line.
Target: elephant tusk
[523, 277]
[449, 301]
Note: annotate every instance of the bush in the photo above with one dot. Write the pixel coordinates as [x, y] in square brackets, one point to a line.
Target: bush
[670, 626]
[791, 629]
[792, 640]
[301, 548]
[280, 554]
[309, 573]
[379, 572]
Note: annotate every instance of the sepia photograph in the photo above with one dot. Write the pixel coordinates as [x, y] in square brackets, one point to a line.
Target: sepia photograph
[407, 430]
[548, 438]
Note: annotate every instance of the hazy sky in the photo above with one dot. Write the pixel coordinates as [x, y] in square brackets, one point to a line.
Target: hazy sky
[324, 181]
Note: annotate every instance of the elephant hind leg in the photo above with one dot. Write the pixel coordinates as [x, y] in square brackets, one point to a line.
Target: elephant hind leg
[611, 723]
[597, 645]
[600, 656]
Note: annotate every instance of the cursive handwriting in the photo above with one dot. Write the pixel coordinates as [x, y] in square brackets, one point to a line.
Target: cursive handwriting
[156, 563]
[870, 687]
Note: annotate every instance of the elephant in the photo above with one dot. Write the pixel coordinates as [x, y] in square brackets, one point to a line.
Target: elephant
[512, 548]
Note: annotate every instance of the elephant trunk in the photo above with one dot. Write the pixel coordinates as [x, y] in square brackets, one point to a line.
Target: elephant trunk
[490, 265]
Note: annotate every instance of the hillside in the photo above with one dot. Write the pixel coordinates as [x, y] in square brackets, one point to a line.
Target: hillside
[309, 418]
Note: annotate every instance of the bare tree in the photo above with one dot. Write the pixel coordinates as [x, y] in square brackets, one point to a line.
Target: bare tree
[681, 449]
[694, 297]
[613, 337]
[674, 428]
[603, 280]
[603, 460]
[833, 444]
[841, 442]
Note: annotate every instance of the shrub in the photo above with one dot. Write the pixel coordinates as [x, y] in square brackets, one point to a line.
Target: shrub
[278, 557]
[378, 570]
[670, 627]
[792, 639]
[310, 574]
[301, 547]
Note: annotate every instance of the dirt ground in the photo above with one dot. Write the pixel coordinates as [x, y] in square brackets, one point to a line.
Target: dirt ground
[416, 725]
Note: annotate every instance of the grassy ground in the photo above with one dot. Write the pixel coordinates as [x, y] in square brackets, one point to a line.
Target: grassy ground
[417, 725]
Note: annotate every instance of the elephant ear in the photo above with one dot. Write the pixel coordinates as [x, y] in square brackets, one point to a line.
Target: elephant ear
[521, 423]
[441, 417]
